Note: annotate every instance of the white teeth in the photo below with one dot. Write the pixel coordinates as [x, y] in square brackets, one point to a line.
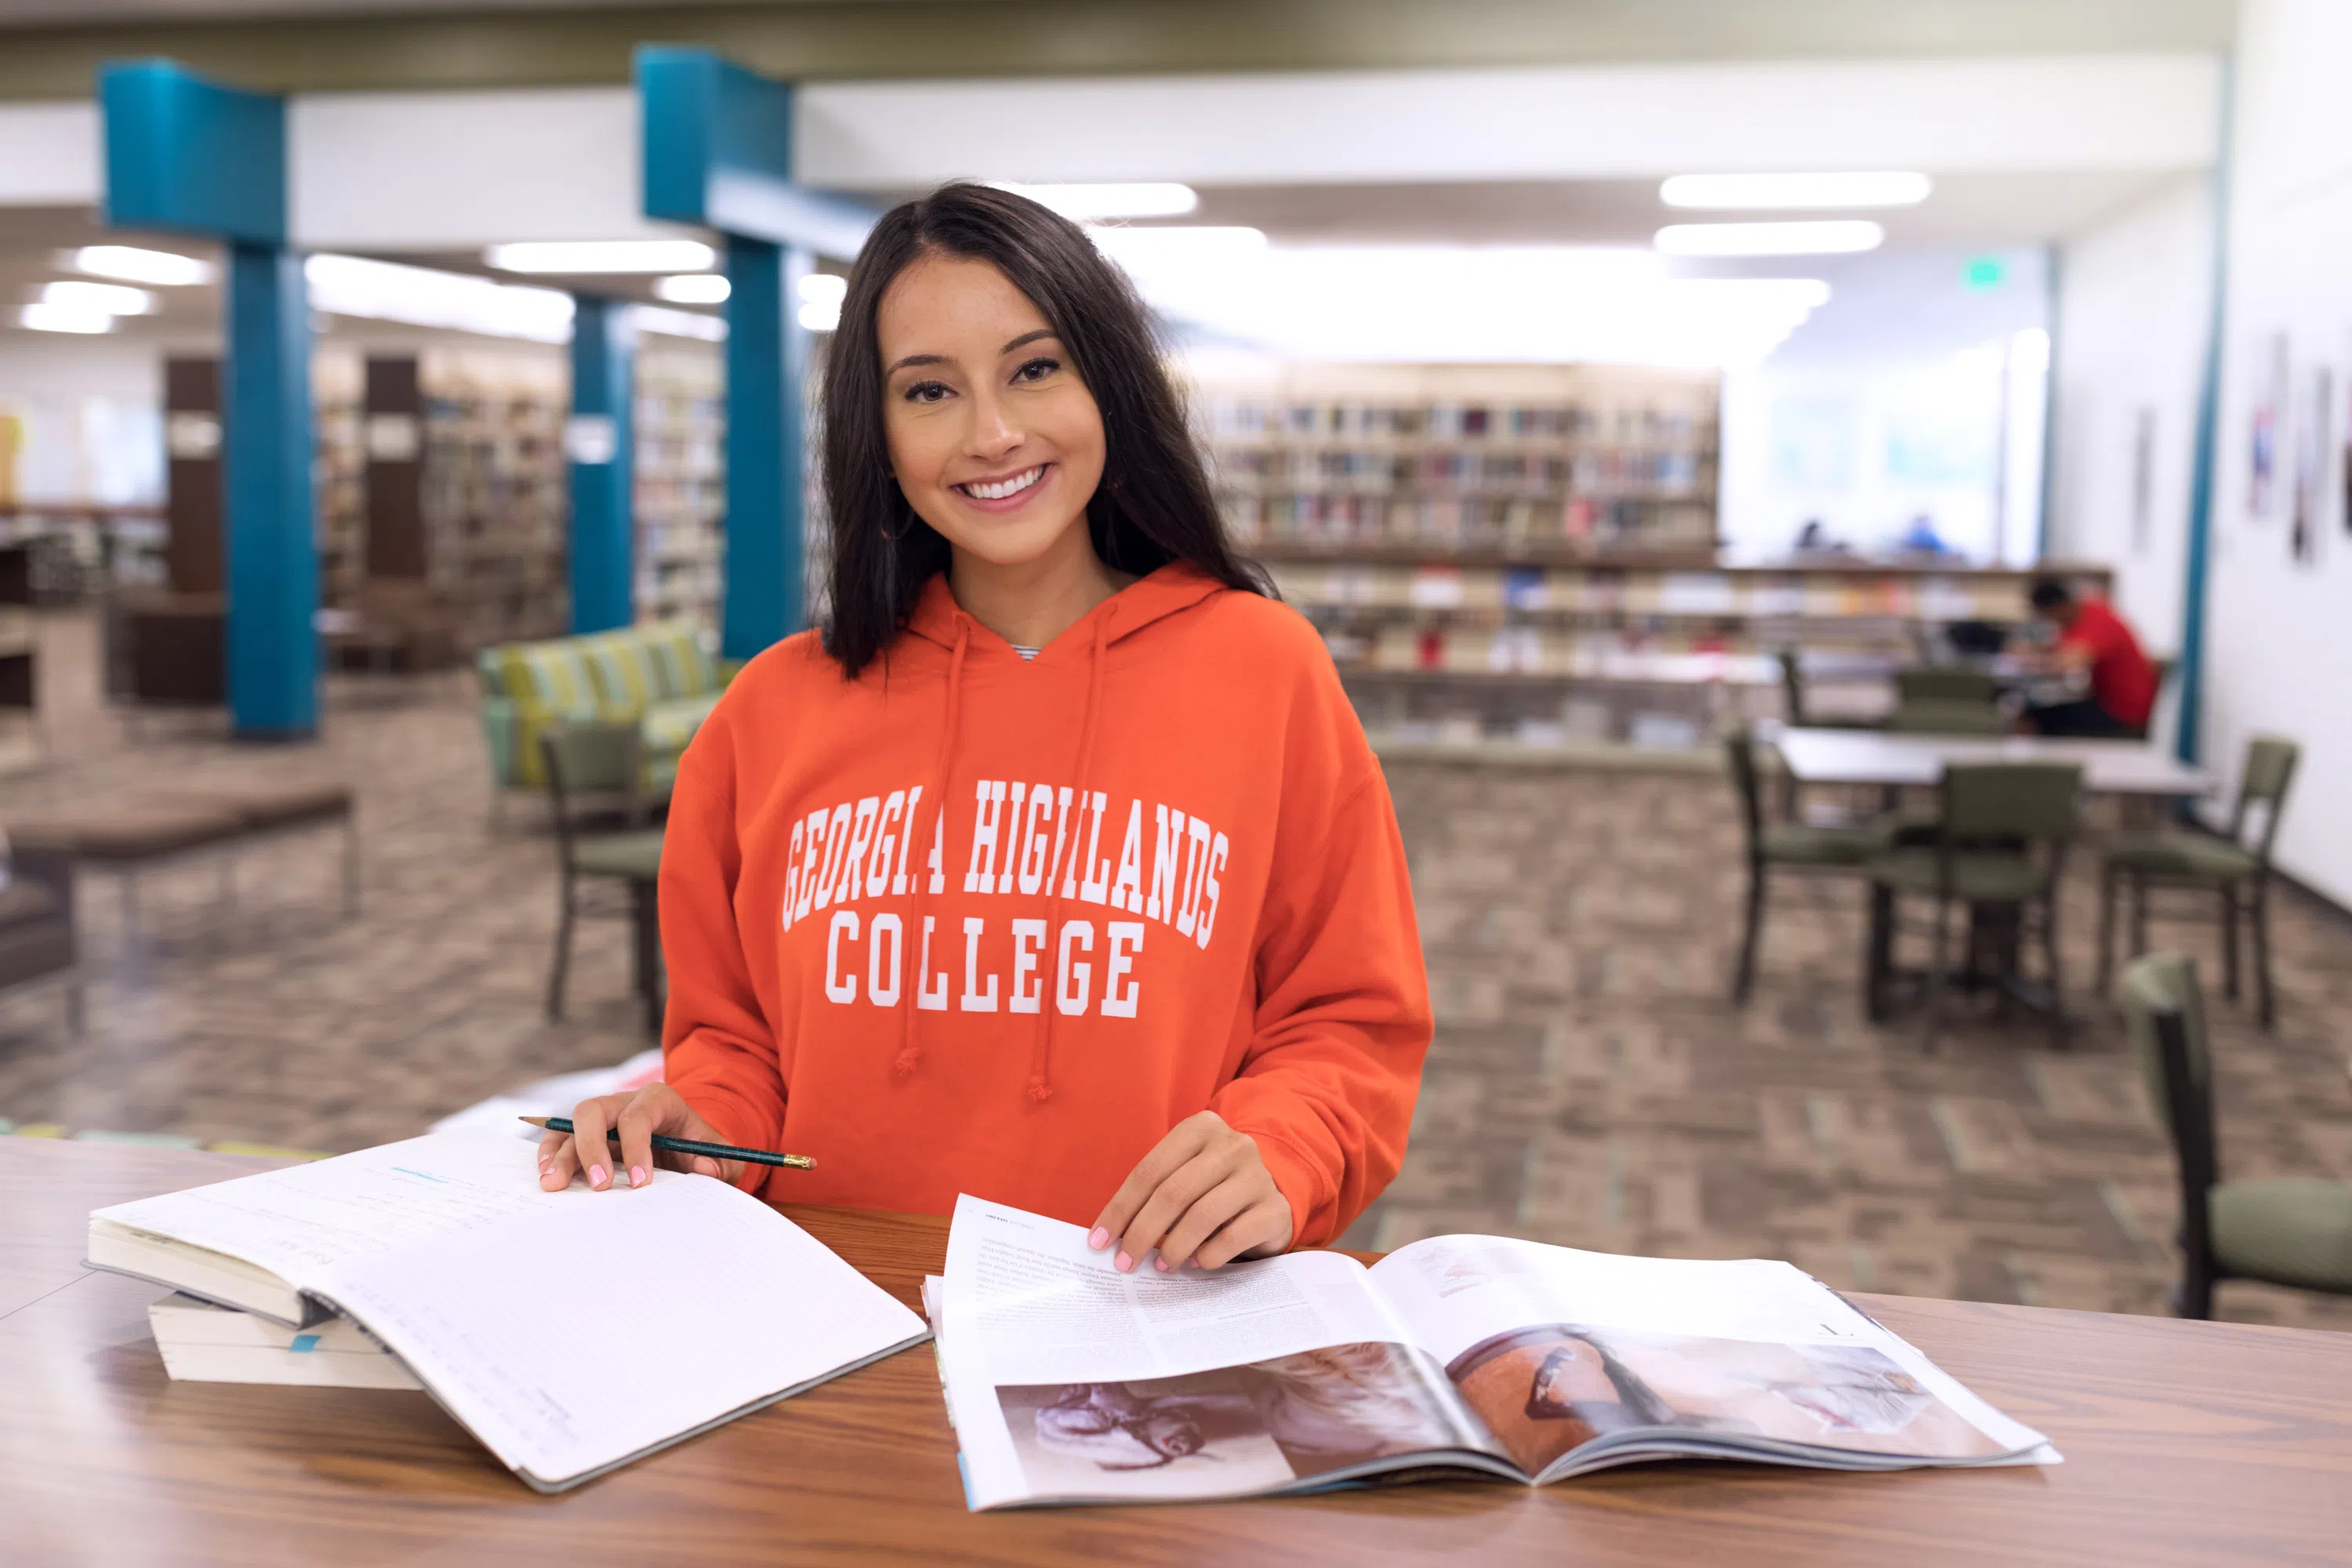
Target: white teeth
[1002, 487]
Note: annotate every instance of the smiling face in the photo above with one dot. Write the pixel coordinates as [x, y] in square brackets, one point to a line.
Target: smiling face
[996, 441]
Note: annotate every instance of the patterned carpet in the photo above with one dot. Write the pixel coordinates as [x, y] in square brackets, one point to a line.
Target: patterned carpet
[1589, 1086]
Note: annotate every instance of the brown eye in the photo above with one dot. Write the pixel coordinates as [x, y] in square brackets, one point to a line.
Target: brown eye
[925, 392]
[1037, 369]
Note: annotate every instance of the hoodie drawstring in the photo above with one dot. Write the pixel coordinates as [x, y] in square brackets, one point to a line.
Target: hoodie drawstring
[1041, 1062]
[910, 1050]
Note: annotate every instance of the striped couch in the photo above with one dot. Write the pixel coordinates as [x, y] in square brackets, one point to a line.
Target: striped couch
[658, 677]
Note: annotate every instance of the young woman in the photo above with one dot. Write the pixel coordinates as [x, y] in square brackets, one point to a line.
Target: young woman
[1059, 871]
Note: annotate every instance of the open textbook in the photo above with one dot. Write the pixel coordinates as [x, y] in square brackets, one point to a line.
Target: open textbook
[1069, 1382]
[569, 1332]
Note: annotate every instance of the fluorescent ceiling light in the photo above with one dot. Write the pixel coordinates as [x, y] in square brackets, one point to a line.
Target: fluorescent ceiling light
[109, 298]
[47, 318]
[1758, 193]
[679, 323]
[602, 256]
[1429, 303]
[821, 297]
[135, 265]
[1142, 251]
[1819, 238]
[693, 288]
[1144, 198]
[423, 297]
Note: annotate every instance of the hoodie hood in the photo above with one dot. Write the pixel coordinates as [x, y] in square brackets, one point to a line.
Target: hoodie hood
[1173, 588]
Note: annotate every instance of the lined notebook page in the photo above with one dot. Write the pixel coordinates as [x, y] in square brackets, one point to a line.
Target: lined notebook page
[572, 1338]
[297, 1221]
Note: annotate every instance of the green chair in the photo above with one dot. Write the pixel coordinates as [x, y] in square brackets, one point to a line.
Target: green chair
[1789, 846]
[2283, 1231]
[598, 760]
[1800, 711]
[2001, 834]
[1945, 700]
[2238, 872]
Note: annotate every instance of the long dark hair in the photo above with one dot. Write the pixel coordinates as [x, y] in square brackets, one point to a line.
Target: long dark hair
[1153, 505]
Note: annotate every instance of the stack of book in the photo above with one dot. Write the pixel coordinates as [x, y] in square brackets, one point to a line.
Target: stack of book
[571, 1332]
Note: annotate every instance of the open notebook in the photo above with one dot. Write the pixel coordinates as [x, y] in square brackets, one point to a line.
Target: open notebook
[570, 1331]
[1068, 1382]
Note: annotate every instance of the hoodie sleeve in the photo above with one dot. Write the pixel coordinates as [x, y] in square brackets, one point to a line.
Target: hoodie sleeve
[1328, 1083]
[718, 1050]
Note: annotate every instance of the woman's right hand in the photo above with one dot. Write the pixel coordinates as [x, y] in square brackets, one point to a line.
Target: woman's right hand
[639, 1114]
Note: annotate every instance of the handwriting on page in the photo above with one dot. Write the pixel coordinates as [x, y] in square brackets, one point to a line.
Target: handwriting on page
[297, 1221]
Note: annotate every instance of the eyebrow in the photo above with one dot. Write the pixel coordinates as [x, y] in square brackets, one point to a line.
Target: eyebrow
[899, 365]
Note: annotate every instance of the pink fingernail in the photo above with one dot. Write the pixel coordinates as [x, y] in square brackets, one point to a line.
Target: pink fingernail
[597, 1177]
[1122, 1262]
[1098, 1239]
[1161, 1264]
[637, 1176]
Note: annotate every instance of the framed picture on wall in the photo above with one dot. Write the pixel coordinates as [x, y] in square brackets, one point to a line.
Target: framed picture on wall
[2269, 409]
[2344, 460]
[2313, 422]
[2143, 476]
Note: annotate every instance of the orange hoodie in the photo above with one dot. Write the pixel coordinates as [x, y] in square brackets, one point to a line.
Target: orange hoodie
[972, 924]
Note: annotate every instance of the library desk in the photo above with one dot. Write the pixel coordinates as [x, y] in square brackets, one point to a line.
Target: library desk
[1877, 757]
[2185, 1443]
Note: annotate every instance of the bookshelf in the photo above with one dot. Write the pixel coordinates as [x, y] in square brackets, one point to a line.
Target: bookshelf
[1514, 559]
[339, 476]
[680, 498]
[493, 494]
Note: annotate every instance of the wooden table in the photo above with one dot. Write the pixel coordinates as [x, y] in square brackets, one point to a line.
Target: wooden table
[2186, 1443]
[1892, 760]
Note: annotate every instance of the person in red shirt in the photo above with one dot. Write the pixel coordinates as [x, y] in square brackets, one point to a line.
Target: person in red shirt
[2093, 644]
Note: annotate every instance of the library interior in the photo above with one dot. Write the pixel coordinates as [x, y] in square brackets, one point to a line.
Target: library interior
[1815, 524]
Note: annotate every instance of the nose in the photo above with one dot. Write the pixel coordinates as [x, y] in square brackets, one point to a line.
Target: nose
[994, 433]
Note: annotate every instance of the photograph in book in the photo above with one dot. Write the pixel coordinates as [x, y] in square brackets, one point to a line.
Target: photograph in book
[1242, 1428]
[1547, 1390]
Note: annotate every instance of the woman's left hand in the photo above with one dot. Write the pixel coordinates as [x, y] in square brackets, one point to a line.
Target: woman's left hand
[1202, 1195]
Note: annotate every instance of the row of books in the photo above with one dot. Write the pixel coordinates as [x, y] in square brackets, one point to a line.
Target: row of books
[1371, 472]
[1233, 417]
[1533, 651]
[1463, 523]
[1609, 590]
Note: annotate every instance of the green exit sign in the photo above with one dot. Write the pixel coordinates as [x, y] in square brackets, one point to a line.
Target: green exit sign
[1984, 272]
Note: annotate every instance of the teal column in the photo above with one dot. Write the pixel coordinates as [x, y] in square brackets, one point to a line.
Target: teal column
[717, 152]
[272, 552]
[767, 366]
[187, 155]
[599, 442]
[2186, 742]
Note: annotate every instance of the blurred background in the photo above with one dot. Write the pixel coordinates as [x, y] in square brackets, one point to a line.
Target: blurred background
[1663, 410]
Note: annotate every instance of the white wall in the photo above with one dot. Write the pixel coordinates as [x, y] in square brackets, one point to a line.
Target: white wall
[48, 154]
[446, 170]
[1889, 404]
[2278, 645]
[2068, 113]
[2135, 304]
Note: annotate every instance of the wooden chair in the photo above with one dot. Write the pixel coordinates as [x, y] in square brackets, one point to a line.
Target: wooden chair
[1789, 846]
[2283, 1231]
[2002, 834]
[2236, 872]
[600, 758]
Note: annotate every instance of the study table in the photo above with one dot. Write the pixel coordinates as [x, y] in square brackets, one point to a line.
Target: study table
[2185, 1443]
[1892, 761]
